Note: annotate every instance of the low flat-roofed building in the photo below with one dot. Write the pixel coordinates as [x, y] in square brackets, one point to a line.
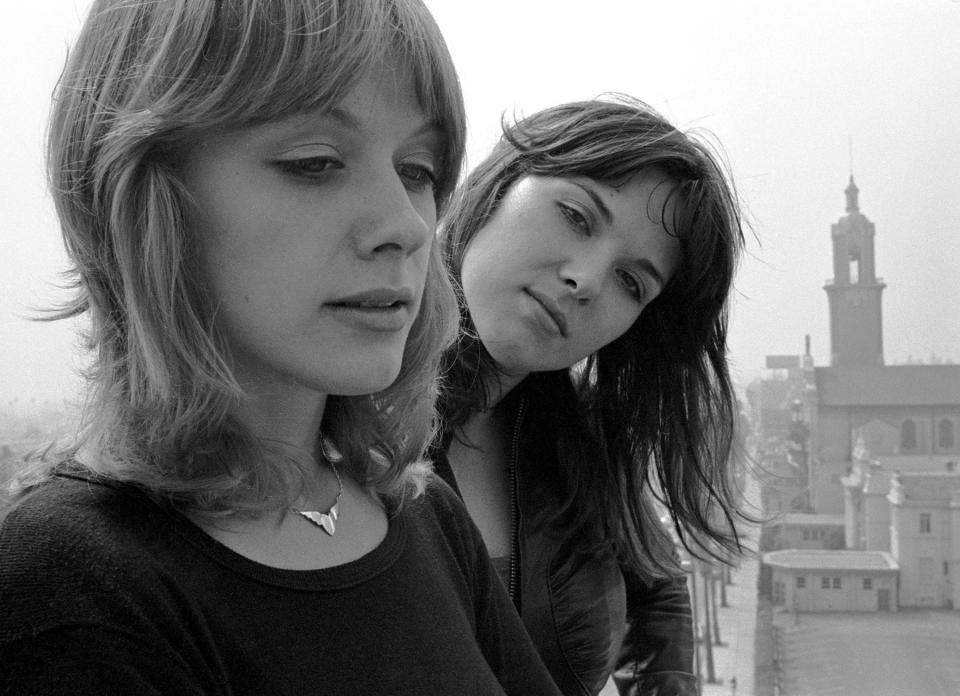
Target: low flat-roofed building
[821, 580]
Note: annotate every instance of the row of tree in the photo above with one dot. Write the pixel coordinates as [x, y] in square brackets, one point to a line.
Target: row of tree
[708, 584]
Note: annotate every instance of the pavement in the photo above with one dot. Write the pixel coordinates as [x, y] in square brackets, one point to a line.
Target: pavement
[905, 653]
[733, 662]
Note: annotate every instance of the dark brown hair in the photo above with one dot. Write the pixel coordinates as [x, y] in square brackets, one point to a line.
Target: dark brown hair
[650, 416]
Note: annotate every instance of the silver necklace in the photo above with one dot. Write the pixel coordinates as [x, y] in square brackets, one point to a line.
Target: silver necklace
[327, 521]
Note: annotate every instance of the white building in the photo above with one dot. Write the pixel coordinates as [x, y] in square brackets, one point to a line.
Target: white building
[816, 580]
[924, 525]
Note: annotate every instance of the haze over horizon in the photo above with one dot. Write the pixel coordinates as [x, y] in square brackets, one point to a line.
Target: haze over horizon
[783, 88]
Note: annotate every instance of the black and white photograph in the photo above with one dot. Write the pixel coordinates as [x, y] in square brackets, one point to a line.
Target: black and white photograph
[502, 348]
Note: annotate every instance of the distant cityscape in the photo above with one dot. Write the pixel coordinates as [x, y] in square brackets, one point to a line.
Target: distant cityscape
[30, 427]
[857, 465]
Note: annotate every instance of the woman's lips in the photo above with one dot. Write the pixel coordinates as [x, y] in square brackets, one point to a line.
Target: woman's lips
[379, 309]
[552, 309]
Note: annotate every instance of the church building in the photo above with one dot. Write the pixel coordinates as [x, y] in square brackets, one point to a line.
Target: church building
[878, 444]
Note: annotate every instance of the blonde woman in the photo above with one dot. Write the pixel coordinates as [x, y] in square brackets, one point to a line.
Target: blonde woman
[248, 191]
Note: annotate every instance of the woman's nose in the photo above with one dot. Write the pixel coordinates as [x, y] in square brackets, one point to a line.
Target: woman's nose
[395, 221]
[583, 278]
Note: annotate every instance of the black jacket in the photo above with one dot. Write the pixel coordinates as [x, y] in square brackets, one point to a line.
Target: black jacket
[589, 619]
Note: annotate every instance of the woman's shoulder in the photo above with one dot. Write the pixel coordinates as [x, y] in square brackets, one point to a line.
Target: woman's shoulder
[73, 505]
[440, 501]
[70, 547]
[442, 518]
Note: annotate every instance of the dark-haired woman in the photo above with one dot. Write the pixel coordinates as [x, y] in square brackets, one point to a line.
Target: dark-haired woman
[588, 396]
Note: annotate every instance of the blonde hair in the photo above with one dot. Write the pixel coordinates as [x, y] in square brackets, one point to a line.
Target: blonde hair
[143, 79]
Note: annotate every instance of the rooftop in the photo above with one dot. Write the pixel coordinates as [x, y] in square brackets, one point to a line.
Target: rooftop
[888, 385]
[816, 559]
[800, 518]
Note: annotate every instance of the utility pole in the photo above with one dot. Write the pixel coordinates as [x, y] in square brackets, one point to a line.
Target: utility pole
[724, 581]
[713, 604]
[692, 580]
[707, 643]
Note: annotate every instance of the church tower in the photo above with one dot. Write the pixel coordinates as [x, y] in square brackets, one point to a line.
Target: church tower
[856, 327]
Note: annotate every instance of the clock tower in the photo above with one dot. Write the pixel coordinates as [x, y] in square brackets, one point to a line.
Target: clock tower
[856, 327]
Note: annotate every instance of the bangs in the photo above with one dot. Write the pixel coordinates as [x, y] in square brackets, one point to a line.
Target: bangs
[268, 60]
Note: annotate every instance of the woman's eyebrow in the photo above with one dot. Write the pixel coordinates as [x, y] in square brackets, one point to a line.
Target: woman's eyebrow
[651, 269]
[344, 118]
[597, 201]
[350, 121]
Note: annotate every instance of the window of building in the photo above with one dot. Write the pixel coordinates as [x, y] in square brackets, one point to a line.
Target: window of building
[836, 583]
[825, 583]
[868, 583]
[801, 581]
[945, 434]
[854, 265]
[806, 535]
[946, 568]
[925, 523]
[908, 435]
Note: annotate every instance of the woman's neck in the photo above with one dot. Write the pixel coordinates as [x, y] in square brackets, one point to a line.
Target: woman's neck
[498, 386]
[290, 416]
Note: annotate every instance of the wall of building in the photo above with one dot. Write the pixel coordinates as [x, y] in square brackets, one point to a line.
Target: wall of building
[853, 517]
[799, 536]
[833, 434]
[833, 446]
[827, 493]
[924, 556]
[851, 595]
[876, 523]
[820, 536]
[955, 550]
[836, 425]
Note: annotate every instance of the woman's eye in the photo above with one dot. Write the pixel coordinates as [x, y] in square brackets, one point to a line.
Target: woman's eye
[575, 218]
[632, 285]
[417, 177]
[311, 167]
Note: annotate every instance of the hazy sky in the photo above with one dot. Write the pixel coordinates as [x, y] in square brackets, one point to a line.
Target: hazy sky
[782, 86]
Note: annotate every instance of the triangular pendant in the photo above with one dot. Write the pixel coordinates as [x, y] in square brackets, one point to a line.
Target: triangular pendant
[325, 520]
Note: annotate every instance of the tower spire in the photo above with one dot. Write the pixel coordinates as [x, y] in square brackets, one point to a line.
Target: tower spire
[855, 292]
[853, 205]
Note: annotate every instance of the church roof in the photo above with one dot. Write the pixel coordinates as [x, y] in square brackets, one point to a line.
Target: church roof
[888, 385]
